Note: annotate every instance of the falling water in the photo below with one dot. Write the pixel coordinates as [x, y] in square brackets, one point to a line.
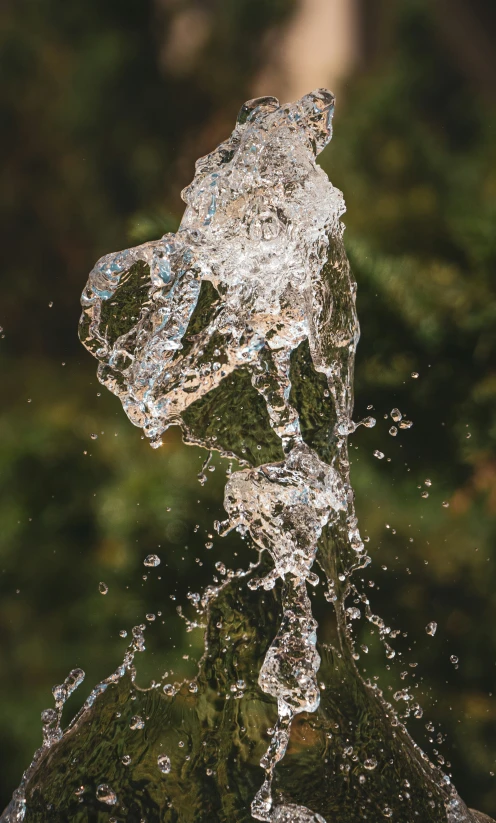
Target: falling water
[241, 329]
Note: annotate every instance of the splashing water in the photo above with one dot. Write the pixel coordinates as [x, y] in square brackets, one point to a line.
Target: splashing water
[249, 306]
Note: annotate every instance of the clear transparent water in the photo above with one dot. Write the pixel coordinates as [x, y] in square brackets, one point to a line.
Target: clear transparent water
[242, 330]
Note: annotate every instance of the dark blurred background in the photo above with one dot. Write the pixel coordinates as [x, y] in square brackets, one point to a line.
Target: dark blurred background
[105, 106]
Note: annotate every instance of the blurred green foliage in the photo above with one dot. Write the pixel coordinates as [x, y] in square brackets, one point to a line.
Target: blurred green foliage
[99, 138]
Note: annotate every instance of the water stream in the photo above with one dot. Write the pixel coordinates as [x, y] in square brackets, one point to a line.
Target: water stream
[241, 329]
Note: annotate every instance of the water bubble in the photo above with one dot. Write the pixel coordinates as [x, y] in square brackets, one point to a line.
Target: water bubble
[393, 431]
[94, 436]
[105, 794]
[164, 764]
[102, 588]
[136, 722]
[427, 482]
[415, 374]
[126, 759]
[152, 560]
[425, 495]
[123, 633]
[150, 617]
[431, 628]
[353, 613]
[396, 415]
[405, 424]
[370, 763]
[387, 812]
[454, 659]
[445, 504]
[378, 454]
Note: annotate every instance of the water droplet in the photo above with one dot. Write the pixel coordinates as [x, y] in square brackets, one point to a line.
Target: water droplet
[405, 424]
[393, 431]
[152, 560]
[137, 722]
[445, 504]
[123, 633]
[396, 415]
[427, 482]
[106, 795]
[369, 422]
[454, 659]
[378, 454]
[102, 588]
[126, 759]
[431, 628]
[48, 716]
[415, 374]
[164, 764]
[94, 436]
[390, 653]
[370, 764]
[425, 495]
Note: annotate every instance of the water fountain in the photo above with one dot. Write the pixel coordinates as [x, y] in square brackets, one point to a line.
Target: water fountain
[241, 329]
